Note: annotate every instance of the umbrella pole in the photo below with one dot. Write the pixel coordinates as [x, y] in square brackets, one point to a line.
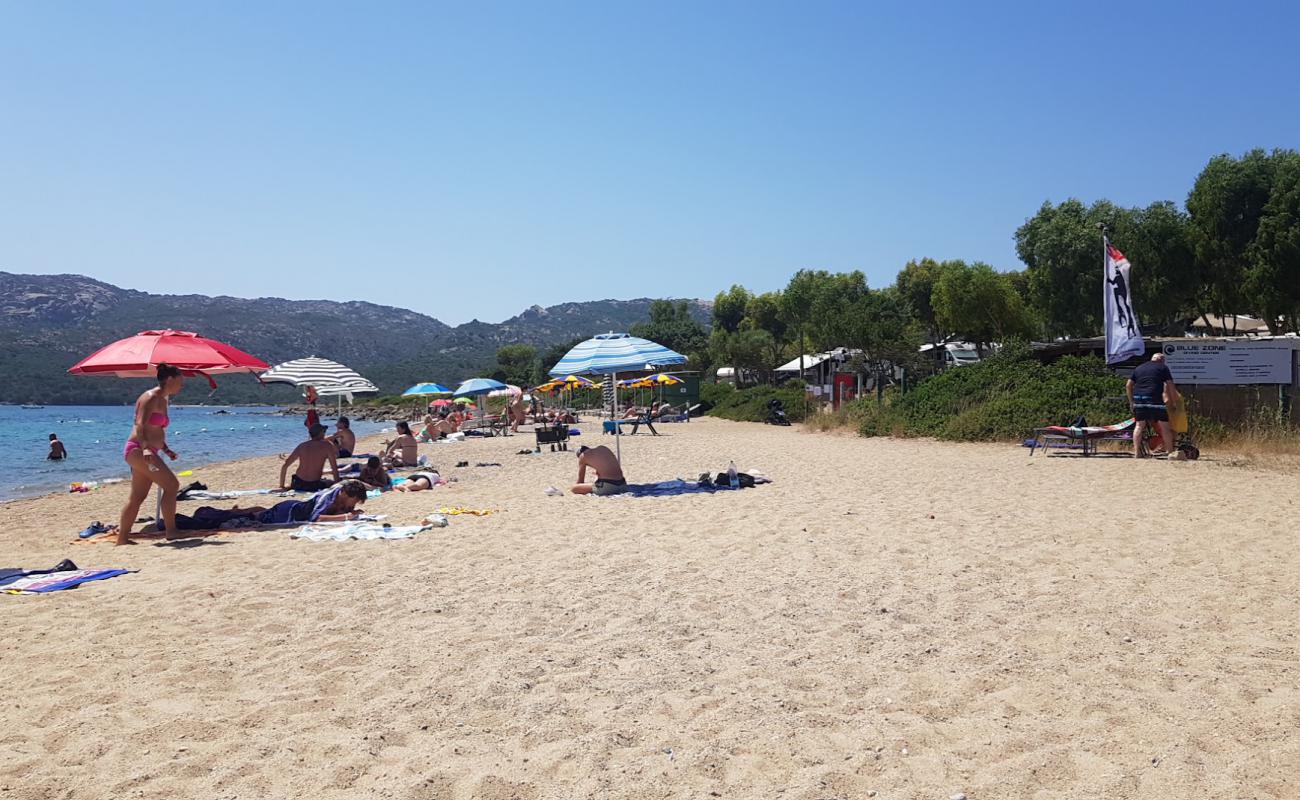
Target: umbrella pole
[618, 429]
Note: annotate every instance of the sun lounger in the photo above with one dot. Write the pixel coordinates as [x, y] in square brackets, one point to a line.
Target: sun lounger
[1083, 439]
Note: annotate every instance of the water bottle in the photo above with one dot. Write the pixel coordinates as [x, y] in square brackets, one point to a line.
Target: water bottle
[732, 477]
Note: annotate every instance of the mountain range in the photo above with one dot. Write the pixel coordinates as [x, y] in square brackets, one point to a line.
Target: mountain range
[50, 322]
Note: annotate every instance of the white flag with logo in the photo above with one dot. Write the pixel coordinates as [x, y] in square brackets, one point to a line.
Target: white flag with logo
[1123, 332]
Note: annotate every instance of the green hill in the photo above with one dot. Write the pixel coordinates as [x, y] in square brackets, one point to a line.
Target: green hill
[49, 322]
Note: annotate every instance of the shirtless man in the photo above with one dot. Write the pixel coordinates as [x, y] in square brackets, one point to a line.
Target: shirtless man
[609, 474]
[344, 439]
[57, 451]
[311, 456]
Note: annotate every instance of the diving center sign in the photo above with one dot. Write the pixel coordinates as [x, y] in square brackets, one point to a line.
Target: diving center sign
[1229, 363]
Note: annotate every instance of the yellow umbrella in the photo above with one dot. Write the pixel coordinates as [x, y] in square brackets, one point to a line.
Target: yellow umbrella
[663, 379]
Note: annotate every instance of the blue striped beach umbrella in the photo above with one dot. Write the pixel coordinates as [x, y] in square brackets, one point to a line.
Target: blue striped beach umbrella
[612, 353]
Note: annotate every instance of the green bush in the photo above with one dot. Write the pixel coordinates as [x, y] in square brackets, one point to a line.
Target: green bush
[1003, 397]
[750, 405]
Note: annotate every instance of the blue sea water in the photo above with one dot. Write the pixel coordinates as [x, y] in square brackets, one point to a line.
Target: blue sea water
[94, 436]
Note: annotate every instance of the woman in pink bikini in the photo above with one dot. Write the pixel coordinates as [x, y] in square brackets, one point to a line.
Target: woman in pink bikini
[143, 452]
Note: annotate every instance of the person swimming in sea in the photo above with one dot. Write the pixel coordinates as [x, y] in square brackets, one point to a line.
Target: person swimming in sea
[57, 451]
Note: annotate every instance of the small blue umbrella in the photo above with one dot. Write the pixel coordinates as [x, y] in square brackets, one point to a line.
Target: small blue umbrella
[477, 386]
[421, 389]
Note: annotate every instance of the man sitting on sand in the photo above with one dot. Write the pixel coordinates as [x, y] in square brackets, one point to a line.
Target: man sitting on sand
[609, 474]
[344, 439]
[311, 456]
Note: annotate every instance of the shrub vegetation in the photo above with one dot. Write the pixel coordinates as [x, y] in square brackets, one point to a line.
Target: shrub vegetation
[1003, 397]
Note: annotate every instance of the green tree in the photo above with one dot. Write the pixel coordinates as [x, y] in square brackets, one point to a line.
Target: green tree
[672, 326]
[1273, 277]
[554, 353]
[517, 364]
[1226, 204]
[764, 314]
[979, 304]
[1165, 280]
[1061, 249]
[729, 308]
[915, 286]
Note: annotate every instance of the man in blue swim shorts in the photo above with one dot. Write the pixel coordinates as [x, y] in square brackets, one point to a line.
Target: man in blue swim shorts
[1149, 387]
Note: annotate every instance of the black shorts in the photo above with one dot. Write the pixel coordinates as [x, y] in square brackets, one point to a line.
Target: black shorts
[300, 485]
[1150, 412]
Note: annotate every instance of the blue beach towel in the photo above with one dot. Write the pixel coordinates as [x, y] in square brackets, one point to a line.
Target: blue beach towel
[39, 581]
[669, 489]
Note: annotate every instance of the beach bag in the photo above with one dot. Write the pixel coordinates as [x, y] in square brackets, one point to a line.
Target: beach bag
[722, 480]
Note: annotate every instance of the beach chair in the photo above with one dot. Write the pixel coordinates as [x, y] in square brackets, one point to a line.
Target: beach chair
[1081, 438]
[557, 436]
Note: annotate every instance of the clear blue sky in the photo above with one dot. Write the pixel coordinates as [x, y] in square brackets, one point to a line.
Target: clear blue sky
[471, 159]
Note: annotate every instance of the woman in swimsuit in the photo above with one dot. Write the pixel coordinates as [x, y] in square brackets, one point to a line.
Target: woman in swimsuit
[143, 453]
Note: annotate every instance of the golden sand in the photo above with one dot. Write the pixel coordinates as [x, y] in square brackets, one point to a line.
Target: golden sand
[905, 618]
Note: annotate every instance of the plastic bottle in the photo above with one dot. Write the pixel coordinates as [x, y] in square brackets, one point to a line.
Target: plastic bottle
[732, 476]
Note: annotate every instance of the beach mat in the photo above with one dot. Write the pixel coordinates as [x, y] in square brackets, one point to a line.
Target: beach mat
[63, 576]
[669, 489]
[360, 531]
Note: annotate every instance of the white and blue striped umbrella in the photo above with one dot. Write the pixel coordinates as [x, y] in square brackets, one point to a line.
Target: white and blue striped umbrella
[477, 386]
[421, 389]
[615, 352]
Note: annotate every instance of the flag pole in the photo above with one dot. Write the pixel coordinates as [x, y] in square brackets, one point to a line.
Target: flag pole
[1102, 228]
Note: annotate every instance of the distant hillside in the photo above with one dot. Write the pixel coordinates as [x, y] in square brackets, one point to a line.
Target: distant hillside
[49, 322]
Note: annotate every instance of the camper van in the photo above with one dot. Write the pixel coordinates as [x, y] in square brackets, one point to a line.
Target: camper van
[955, 354]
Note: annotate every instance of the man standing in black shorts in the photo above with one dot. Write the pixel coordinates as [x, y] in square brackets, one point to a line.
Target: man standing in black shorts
[1147, 390]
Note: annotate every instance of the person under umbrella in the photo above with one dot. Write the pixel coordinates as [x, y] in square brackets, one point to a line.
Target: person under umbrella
[143, 453]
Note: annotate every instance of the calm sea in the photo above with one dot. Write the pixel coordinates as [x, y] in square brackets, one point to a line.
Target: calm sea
[94, 436]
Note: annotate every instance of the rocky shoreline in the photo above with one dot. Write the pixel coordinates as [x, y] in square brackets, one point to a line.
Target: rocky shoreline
[387, 412]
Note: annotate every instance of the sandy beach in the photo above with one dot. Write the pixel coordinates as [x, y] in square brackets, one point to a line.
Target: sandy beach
[888, 619]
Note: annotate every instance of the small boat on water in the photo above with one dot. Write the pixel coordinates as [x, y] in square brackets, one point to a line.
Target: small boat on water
[30, 406]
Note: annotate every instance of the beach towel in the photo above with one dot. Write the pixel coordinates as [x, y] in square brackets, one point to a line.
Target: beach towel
[206, 495]
[675, 487]
[64, 576]
[361, 531]
[455, 511]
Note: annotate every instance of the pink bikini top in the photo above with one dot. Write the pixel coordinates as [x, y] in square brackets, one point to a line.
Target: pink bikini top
[158, 420]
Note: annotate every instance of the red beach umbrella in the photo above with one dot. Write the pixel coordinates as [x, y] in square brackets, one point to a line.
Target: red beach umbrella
[137, 356]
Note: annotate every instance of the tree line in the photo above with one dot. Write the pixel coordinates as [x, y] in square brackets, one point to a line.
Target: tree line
[1232, 249]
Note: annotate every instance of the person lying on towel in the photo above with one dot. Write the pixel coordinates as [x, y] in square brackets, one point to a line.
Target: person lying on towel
[609, 473]
[337, 504]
